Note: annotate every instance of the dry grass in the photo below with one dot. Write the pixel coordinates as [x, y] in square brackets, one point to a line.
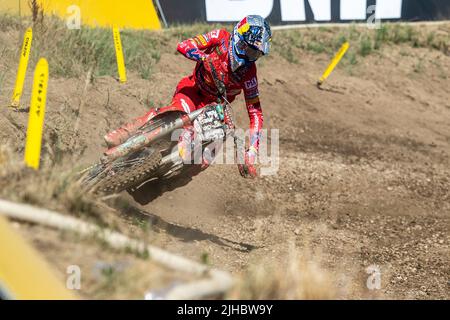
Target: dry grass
[108, 273]
[51, 187]
[363, 41]
[37, 12]
[298, 277]
[71, 53]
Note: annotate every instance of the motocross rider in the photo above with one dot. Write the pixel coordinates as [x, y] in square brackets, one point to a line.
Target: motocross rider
[233, 57]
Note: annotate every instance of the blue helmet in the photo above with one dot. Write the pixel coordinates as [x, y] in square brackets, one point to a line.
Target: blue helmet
[250, 40]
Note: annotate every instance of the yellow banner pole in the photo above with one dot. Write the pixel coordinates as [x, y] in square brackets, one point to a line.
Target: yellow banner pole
[119, 55]
[23, 64]
[337, 58]
[37, 113]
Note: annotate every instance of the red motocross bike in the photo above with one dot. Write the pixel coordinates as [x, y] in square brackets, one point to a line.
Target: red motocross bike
[152, 154]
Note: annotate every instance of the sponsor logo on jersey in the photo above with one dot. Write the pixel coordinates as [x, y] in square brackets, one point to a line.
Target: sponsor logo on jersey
[193, 54]
[200, 39]
[250, 84]
[214, 34]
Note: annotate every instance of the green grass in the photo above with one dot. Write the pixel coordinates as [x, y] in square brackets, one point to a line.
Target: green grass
[351, 58]
[315, 47]
[204, 258]
[289, 55]
[365, 46]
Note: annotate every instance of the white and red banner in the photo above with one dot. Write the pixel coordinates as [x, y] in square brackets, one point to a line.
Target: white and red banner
[280, 12]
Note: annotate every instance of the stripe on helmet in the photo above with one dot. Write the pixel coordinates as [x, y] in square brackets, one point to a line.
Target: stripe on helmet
[244, 28]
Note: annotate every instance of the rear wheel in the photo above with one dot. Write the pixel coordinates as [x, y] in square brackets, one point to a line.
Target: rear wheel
[125, 173]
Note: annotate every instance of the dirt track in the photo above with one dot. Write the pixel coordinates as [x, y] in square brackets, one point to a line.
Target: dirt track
[363, 177]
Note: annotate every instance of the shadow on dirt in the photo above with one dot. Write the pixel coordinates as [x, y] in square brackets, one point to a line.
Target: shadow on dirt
[185, 234]
[149, 191]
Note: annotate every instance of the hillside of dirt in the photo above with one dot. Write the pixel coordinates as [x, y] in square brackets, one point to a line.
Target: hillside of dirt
[363, 176]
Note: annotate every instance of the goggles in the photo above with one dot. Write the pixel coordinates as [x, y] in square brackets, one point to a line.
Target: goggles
[249, 52]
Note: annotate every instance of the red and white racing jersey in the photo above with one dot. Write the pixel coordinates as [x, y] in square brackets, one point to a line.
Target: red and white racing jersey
[215, 47]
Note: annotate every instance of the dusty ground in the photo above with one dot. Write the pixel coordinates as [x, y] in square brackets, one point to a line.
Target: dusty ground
[363, 177]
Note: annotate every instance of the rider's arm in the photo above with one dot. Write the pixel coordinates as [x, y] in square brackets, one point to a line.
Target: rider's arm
[254, 110]
[199, 47]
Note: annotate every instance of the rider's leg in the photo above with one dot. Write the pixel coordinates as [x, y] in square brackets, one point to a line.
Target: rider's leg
[188, 97]
[185, 88]
[119, 136]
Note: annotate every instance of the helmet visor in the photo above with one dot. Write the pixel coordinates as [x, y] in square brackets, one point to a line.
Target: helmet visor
[252, 53]
[249, 52]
